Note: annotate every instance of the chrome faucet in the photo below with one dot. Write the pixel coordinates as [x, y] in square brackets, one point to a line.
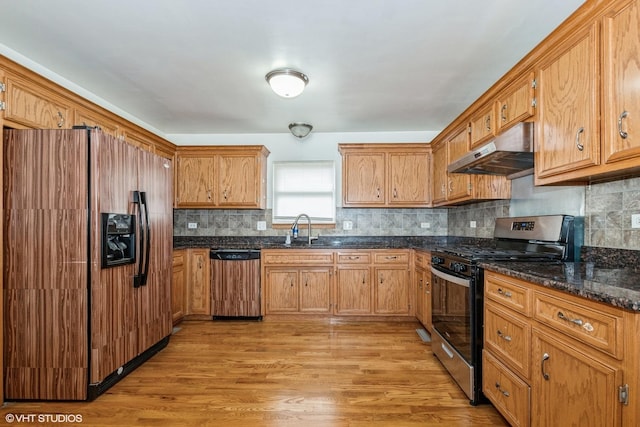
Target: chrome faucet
[295, 225]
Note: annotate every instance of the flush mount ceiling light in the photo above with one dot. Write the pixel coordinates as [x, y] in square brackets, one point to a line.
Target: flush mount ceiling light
[286, 82]
[300, 130]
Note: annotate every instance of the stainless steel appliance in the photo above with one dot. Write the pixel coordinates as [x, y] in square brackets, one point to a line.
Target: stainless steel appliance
[457, 287]
[235, 284]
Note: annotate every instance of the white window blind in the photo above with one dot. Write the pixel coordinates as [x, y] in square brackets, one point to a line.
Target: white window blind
[304, 187]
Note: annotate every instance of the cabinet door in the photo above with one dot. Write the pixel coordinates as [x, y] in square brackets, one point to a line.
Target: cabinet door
[391, 291]
[282, 290]
[567, 131]
[409, 179]
[353, 291]
[315, 290]
[34, 106]
[198, 282]
[459, 184]
[88, 118]
[363, 176]
[515, 103]
[239, 181]
[571, 386]
[427, 303]
[178, 286]
[483, 126]
[621, 74]
[195, 182]
[440, 177]
[419, 275]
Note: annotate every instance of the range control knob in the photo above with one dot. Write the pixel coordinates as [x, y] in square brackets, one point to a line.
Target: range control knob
[437, 260]
[458, 267]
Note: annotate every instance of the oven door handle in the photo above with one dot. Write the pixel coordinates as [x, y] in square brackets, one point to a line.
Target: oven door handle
[450, 278]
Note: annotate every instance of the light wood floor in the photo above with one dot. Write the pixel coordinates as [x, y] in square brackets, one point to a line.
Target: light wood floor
[307, 373]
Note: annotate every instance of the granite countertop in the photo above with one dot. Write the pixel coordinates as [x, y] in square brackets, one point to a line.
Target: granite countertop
[614, 285]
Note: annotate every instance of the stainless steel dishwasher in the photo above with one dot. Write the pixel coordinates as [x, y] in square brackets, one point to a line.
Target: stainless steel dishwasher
[235, 284]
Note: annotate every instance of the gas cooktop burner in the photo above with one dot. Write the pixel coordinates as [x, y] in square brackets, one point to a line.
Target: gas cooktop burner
[496, 254]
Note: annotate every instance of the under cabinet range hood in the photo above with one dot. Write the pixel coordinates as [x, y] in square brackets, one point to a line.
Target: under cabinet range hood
[509, 154]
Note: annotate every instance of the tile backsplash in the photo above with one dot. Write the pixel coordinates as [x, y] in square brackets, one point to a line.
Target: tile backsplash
[607, 206]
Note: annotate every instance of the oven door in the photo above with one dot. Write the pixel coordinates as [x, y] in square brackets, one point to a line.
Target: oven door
[451, 315]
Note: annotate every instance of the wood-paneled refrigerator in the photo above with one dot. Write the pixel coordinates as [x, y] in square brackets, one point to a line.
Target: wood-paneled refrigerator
[79, 316]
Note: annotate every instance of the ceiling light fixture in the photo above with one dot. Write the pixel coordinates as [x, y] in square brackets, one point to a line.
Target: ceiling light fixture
[300, 130]
[286, 82]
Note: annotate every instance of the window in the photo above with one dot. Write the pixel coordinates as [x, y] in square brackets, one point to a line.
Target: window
[304, 187]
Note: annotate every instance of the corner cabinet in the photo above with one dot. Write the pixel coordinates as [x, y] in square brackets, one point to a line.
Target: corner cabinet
[551, 358]
[233, 177]
[386, 175]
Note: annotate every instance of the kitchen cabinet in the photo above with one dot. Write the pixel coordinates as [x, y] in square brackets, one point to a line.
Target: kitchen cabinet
[198, 282]
[567, 130]
[456, 188]
[554, 359]
[386, 175]
[516, 103]
[221, 177]
[31, 105]
[392, 285]
[482, 126]
[178, 285]
[422, 277]
[297, 281]
[354, 292]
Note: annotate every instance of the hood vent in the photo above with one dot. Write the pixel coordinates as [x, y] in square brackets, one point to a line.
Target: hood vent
[509, 154]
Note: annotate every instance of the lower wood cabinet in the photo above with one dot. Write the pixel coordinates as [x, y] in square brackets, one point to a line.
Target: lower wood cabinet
[198, 282]
[178, 285]
[551, 358]
[422, 280]
[340, 283]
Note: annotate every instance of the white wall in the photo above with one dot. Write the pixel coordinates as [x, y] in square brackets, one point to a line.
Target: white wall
[316, 146]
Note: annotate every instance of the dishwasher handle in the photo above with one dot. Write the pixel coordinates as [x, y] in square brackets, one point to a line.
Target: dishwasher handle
[234, 254]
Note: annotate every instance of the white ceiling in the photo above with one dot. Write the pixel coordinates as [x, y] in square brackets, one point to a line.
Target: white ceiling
[198, 66]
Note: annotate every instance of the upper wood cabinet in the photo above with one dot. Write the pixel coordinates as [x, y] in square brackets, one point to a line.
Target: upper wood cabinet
[483, 125]
[30, 105]
[221, 177]
[598, 68]
[386, 175]
[89, 118]
[516, 103]
[567, 131]
[456, 188]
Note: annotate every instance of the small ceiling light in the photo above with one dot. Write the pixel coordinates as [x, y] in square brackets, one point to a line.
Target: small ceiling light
[286, 82]
[300, 130]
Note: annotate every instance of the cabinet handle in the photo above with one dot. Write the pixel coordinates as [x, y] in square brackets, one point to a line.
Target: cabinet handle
[622, 133]
[488, 123]
[426, 287]
[209, 195]
[502, 110]
[391, 257]
[61, 119]
[354, 257]
[395, 193]
[504, 392]
[378, 192]
[442, 190]
[506, 294]
[450, 186]
[363, 281]
[545, 357]
[562, 316]
[580, 146]
[503, 336]
[420, 284]
[224, 194]
[381, 279]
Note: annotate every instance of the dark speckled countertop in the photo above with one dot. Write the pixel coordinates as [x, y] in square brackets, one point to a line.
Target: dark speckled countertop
[615, 285]
[602, 275]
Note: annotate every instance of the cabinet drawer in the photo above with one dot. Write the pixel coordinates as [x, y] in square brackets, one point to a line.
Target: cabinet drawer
[354, 257]
[423, 259]
[592, 324]
[295, 257]
[510, 395]
[510, 292]
[508, 336]
[400, 257]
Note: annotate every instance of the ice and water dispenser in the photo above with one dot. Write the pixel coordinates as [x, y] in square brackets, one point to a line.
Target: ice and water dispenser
[118, 239]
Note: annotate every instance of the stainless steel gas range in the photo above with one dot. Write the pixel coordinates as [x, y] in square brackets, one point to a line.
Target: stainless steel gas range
[458, 286]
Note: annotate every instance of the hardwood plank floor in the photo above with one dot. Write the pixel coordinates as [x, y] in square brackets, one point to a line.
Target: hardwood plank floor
[303, 373]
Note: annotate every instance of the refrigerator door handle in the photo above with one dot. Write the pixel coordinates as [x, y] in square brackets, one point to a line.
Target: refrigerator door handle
[147, 244]
[138, 277]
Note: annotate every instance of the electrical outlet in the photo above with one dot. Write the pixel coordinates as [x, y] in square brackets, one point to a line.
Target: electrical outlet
[635, 221]
[472, 224]
[347, 225]
[425, 225]
[261, 225]
[192, 225]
